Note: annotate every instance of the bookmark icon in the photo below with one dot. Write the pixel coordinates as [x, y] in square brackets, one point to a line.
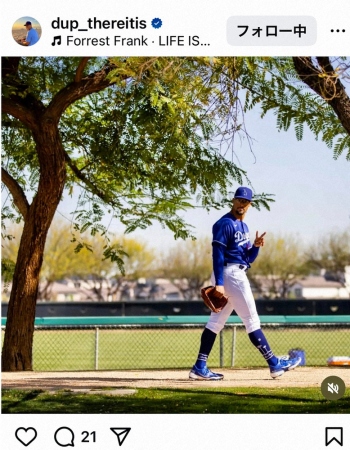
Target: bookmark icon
[334, 434]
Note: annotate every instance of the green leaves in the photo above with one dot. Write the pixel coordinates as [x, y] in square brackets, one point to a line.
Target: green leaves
[149, 145]
[341, 145]
[273, 85]
[114, 254]
[262, 201]
[143, 145]
[7, 271]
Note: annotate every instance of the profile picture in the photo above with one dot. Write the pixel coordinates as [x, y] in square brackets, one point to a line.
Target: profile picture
[26, 31]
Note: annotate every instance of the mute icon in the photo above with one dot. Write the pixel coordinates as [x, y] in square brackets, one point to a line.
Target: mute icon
[333, 388]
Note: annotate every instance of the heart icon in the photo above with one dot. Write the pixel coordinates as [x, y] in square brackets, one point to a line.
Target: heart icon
[26, 435]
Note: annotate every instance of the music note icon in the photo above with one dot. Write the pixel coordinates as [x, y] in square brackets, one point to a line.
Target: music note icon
[56, 40]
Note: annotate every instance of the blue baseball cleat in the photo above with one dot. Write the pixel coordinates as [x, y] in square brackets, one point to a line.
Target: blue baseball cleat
[204, 374]
[283, 365]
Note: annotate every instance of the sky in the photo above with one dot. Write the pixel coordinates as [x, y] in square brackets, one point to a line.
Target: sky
[19, 24]
[311, 189]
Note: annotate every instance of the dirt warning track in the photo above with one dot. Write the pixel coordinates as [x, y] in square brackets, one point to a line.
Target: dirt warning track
[300, 377]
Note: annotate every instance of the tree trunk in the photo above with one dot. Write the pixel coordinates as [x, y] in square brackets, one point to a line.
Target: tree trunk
[45, 293]
[43, 123]
[18, 340]
[284, 289]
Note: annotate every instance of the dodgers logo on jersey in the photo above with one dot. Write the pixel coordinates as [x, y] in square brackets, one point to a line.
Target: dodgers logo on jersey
[241, 238]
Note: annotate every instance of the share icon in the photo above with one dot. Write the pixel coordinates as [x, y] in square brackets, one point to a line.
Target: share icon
[121, 434]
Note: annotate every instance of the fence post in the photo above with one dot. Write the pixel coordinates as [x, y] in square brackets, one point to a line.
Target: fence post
[233, 353]
[221, 349]
[96, 348]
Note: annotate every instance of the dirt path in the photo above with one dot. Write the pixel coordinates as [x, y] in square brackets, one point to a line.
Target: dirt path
[300, 377]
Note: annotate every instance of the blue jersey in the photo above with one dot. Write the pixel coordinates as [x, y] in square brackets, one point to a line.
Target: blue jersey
[231, 244]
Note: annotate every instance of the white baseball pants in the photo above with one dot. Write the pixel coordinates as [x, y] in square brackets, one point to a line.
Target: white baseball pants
[240, 299]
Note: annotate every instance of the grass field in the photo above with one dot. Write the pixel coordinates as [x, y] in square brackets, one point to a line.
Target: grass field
[165, 348]
[174, 401]
[63, 349]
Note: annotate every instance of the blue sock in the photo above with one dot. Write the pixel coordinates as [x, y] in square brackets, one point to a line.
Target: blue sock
[259, 340]
[201, 360]
[207, 341]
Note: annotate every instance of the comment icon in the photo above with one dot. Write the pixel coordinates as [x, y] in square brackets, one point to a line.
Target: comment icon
[64, 437]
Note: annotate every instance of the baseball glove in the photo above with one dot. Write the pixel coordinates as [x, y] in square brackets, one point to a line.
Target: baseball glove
[213, 299]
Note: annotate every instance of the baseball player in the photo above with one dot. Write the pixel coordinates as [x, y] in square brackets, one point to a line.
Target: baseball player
[232, 255]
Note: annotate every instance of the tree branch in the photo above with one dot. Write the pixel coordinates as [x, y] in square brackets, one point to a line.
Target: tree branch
[17, 109]
[17, 100]
[9, 66]
[326, 83]
[94, 82]
[19, 198]
[78, 173]
[80, 69]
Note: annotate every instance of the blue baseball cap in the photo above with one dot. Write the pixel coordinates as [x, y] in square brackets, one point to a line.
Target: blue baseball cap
[244, 192]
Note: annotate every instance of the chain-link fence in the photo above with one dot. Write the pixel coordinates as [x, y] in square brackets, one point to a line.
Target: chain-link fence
[176, 346]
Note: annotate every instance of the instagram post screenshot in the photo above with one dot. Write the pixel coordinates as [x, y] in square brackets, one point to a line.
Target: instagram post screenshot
[175, 225]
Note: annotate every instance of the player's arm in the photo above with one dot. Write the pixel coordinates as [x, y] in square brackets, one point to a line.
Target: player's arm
[221, 232]
[218, 265]
[254, 249]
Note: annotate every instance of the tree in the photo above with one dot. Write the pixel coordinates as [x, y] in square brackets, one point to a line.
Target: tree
[62, 261]
[300, 91]
[188, 265]
[324, 78]
[279, 264]
[332, 254]
[135, 133]
[104, 274]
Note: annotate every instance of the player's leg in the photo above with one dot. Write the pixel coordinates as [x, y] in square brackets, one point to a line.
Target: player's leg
[214, 326]
[238, 287]
[200, 370]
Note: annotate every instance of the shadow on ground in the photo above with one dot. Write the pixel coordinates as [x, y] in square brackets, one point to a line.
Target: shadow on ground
[176, 401]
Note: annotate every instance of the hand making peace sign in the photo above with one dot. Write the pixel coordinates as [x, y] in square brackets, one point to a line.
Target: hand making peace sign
[259, 240]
